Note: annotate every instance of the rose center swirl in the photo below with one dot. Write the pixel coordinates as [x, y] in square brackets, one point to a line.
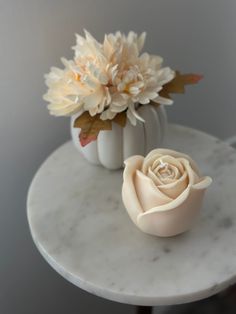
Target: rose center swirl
[165, 171]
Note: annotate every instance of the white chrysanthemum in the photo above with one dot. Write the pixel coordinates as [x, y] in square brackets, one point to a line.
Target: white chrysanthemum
[107, 78]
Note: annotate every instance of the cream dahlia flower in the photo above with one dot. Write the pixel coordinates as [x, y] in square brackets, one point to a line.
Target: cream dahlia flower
[107, 78]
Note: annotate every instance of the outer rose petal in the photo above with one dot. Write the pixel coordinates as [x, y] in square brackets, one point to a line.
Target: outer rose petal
[129, 195]
[202, 184]
[148, 193]
[177, 216]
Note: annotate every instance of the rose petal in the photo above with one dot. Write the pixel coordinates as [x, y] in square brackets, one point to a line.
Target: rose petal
[175, 217]
[149, 161]
[192, 175]
[169, 160]
[148, 193]
[129, 195]
[203, 184]
[174, 173]
[153, 177]
[167, 174]
[160, 152]
[174, 189]
[174, 183]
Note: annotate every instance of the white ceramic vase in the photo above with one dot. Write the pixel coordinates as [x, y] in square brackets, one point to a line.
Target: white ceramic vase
[112, 147]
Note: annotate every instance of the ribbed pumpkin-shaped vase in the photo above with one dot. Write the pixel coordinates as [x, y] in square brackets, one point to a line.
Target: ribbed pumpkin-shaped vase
[112, 147]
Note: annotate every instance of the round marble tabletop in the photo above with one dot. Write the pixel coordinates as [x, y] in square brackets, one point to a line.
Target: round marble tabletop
[80, 226]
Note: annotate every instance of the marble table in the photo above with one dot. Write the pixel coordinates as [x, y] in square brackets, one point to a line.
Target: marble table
[79, 224]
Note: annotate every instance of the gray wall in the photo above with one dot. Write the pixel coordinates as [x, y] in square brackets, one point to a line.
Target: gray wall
[192, 35]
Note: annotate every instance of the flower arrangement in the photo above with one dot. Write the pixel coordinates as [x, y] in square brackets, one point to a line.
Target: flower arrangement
[106, 82]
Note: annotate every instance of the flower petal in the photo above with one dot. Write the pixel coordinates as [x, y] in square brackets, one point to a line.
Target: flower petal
[175, 188]
[203, 184]
[148, 193]
[153, 176]
[129, 195]
[107, 114]
[176, 217]
[163, 151]
[163, 101]
[141, 41]
[193, 177]
[93, 99]
[148, 161]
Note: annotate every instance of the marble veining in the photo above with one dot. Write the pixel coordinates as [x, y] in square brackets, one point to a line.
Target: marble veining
[79, 224]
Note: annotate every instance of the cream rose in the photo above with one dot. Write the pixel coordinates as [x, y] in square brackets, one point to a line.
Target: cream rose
[163, 192]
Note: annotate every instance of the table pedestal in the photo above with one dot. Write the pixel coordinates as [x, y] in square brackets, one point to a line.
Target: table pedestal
[144, 310]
